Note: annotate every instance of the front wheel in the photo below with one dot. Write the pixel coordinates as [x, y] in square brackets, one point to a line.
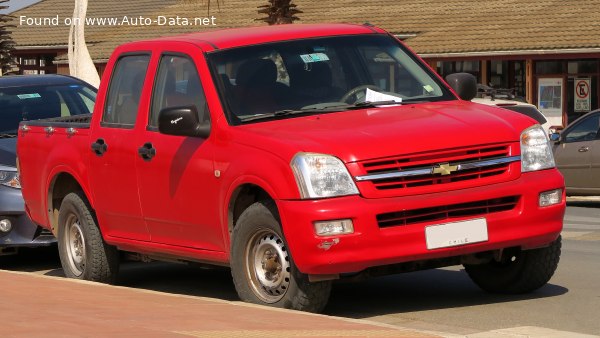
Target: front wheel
[263, 269]
[517, 272]
[83, 252]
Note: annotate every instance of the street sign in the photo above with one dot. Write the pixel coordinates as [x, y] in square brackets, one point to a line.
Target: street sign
[582, 95]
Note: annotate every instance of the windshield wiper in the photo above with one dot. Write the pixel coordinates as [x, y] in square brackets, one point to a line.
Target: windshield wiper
[8, 136]
[326, 109]
[374, 104]
[287, 112]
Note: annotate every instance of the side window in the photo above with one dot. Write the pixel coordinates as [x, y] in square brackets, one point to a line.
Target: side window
[125, 89]
[177, 85]
[586, 130]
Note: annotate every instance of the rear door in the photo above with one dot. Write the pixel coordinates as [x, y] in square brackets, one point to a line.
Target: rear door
[574, 153]
[178, 186]
[112, 167]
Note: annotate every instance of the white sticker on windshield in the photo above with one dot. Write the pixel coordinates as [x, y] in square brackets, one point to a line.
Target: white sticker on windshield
[315, 57]
[428, 88]
[29, 96]
[374, 96]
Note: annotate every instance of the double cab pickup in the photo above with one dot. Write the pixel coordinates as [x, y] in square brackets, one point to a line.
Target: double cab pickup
[295, 155]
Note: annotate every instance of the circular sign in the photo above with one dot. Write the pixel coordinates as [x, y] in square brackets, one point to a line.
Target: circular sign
[582, 89]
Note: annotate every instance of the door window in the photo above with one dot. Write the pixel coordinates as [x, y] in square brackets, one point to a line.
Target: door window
[585, 130]
[125, 89]
[178, 85]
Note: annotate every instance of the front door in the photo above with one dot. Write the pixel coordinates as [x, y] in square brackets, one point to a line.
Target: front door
[112, 177]
[176, 176]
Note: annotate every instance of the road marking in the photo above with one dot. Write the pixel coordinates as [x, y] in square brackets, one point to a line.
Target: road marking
[581, 235]
[529, 331]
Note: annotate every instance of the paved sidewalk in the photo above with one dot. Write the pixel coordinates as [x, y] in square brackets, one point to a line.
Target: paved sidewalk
[42, 306]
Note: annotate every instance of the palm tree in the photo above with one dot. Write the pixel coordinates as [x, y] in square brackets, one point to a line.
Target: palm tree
[279, 12]
[208, 2]
[80, 61]
[6, 42]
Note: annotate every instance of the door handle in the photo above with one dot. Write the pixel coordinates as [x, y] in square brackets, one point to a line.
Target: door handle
[583, 149]
[147, 151]
[99, 147]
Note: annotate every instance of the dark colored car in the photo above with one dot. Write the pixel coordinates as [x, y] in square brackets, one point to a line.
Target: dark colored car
[26, 98]
[577, 154]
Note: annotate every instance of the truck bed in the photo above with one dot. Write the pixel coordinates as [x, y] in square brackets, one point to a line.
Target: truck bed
[77, 121]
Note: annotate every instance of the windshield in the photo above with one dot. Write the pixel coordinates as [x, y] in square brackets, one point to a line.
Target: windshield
[27, 103]
[320, 75]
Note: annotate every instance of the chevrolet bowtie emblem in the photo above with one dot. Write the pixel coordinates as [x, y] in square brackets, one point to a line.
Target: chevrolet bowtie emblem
[444, 169]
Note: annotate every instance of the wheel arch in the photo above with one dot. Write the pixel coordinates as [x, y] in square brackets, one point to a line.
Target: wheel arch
[61, 184]
[243, 196]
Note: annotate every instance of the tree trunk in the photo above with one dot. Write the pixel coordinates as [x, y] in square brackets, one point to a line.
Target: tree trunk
[80, 62]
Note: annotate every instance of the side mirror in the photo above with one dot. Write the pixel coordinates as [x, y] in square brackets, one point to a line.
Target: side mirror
[464, 84]
[182, 121]
[555, 137]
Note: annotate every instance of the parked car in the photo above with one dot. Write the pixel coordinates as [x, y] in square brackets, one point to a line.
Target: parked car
[28, 98]
[577, 154]
[522, 108]
[295, 155]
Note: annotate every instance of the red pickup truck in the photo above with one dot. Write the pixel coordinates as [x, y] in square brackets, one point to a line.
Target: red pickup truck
[295, 155]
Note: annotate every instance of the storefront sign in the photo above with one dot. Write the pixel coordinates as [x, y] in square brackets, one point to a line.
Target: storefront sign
[550, 96]
[582, 95]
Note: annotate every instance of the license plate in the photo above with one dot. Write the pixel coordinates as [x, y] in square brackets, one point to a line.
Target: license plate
[456, 233]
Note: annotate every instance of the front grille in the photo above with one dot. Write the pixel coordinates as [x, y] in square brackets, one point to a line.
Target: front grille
[430, 160]
[446, 212]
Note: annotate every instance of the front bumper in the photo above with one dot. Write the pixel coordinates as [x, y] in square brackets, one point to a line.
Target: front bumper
[24, 232]
[527, 225]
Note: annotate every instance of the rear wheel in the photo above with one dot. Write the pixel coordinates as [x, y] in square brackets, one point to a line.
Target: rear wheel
[263, 269]
[517, 272]
[83, 252]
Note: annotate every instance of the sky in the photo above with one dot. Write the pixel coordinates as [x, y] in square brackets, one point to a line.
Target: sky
[13, 5]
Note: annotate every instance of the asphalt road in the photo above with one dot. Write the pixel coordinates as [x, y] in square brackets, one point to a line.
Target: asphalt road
[442, 300]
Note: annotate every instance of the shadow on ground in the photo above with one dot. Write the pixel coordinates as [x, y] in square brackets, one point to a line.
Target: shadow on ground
[416, 291]
[584, 204]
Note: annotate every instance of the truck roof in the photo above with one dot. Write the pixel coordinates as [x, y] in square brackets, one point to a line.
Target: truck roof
[236, 37]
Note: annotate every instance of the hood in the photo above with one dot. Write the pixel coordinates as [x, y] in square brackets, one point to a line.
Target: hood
[380, 132]
[8, 152]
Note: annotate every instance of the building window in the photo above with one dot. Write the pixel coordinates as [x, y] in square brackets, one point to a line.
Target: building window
[499, 74]
[445, 68]
[549, 67]
[582, 67]
[30, 62]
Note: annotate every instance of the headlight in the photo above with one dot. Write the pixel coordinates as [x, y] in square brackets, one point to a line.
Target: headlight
[535, 150]
[10, 179]
[320, 176]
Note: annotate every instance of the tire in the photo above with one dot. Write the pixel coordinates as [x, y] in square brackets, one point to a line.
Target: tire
[520, 272]
[83, 253]
[263, 269]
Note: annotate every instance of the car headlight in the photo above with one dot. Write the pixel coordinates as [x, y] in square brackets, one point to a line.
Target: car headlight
[535, 150]
[320, 176]
[10, 179]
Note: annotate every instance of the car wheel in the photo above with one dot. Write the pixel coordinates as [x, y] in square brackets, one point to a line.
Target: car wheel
[517, 272]
[83, 252]
[263, 269]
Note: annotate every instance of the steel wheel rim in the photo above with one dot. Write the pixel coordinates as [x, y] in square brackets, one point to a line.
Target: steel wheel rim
[268, 266]
[75, 245]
